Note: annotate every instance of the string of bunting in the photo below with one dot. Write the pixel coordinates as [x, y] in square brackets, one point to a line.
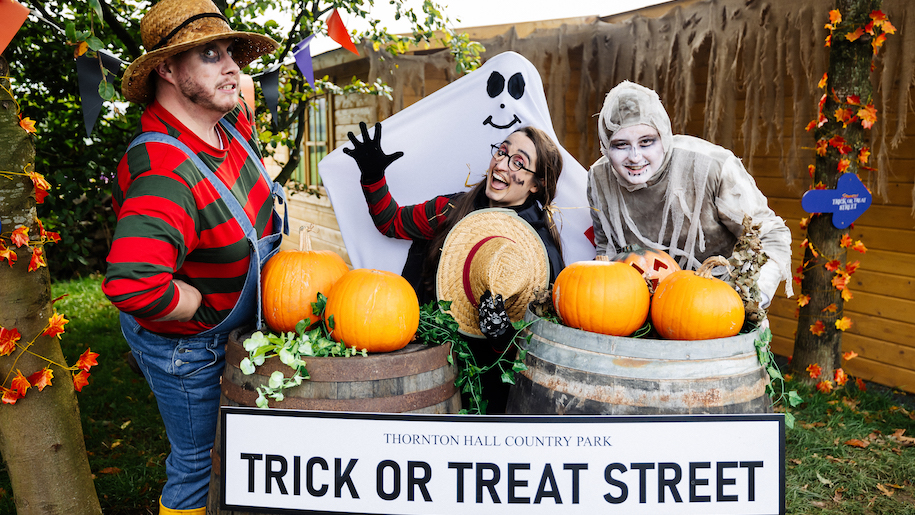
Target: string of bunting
[96, 72]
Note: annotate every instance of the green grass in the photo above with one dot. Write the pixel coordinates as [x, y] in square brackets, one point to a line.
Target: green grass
[127, 446]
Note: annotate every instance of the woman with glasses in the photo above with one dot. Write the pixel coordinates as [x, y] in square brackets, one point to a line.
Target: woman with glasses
[521, 176]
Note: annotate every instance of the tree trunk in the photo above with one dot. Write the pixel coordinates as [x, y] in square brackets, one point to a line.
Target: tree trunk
[41, 438]
[848, 75]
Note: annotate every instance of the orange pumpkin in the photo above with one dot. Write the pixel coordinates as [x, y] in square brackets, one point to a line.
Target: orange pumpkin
[373, 310]
[601, 297]
[696, 306]
[656, 264]
[292, 279]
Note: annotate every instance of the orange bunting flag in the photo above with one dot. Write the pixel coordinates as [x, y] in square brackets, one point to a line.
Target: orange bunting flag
[41, 378]
[814, 370]
[337, 32]
[8, 339]
[87, 360]
[843, 323]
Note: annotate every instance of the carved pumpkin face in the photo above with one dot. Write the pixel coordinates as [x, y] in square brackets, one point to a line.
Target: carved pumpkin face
[655, 264]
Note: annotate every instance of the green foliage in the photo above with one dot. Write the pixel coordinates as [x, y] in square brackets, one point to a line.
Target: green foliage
[291, 348]
[776, 387]
[437, 327]
[81, 169]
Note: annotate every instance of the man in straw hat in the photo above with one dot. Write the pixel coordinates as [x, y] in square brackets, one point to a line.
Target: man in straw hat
[195, 224]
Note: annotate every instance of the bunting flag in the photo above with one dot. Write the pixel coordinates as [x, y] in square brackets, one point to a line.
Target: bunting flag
[338, 32]
[302, 54]
[270, 87]
[13, 15]
[90, 76]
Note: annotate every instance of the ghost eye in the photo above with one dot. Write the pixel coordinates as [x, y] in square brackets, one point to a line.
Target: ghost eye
[516, 86]
[495, 84]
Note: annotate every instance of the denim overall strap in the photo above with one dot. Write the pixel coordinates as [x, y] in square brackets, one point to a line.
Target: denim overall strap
[276, 188]
[260, 250]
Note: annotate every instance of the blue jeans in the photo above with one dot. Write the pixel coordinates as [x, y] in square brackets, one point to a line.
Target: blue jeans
[184, 376]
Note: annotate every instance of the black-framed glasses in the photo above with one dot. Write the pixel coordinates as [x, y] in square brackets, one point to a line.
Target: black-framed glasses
[515, 161]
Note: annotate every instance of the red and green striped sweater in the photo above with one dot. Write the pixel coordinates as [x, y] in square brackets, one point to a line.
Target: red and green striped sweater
[173, 225]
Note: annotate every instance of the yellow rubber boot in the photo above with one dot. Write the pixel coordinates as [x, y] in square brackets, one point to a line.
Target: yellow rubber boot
[168, 511]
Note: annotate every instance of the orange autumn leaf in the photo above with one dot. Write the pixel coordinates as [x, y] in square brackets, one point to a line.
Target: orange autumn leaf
[81, 49]
[828, 42]
[848, 355]
[20, 236]
[851, 267]
[854, 442]
[846, 295]
[888, 28]
[810, 170]
[854, 36]
[41, 186]
[824, 386]
[878, 16]
[843, 324]
[810, 126]
[8, 339]
[41, 378]
[835, 18]
[20, 383]
[822, 83]
[841, 377]
[804, 223]
[814, 370]
[28, 125]
[833, 265]
[846, 241]
[110, 470]
[843, 165]
[863, 155]
[859, 247]
[860, 384]
[7, 254]
[830, 308]
[817, 329]
[37, 260]
[10, 396]
[844, 115]
[803, 300]
[80, 380]
[87, 360]
[854, 100]
[839, 281]
[55, 325]
[868, 115]
[822, 146]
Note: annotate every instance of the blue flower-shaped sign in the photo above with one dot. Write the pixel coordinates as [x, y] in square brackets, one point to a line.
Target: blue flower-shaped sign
[846, 203]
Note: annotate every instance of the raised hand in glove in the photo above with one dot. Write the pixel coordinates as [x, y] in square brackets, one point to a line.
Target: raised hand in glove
[494, 321]
[372, 161]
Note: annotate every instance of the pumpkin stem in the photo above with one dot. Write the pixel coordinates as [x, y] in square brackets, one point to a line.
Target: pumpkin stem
[304, 238]
[601, 258]
[705, 271]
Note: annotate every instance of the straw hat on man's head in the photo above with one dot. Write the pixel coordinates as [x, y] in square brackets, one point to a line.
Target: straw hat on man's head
[495, 250]
[173, 26]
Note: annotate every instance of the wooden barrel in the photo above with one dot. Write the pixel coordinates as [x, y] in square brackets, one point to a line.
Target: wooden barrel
[415, 379]
[571, 371]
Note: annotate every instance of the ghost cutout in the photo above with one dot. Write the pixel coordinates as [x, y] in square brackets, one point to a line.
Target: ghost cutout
[444, 137]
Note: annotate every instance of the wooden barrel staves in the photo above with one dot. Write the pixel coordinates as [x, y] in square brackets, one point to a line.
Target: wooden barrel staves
[578, 372]
[415, 379]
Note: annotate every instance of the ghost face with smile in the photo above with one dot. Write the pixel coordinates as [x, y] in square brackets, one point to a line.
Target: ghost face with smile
[510, 177]
[636, 153]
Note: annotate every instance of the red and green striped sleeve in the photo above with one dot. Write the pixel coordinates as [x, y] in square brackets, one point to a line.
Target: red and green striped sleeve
[416, 222]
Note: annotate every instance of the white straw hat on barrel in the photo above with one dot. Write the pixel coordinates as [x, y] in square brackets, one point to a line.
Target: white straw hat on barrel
[496, 250]
[173, 26]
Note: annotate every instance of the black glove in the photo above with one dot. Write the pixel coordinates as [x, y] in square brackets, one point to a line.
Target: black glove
[494, 322]
[371, 160]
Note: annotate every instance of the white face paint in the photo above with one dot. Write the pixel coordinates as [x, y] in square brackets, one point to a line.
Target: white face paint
[636, 153]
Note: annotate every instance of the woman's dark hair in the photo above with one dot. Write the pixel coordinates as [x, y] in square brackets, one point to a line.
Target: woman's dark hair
[546, 176]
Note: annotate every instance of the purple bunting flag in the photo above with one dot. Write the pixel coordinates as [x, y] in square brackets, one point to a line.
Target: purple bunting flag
[302, 54]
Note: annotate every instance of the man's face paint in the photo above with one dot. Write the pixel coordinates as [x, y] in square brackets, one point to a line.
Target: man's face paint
[636, 153]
